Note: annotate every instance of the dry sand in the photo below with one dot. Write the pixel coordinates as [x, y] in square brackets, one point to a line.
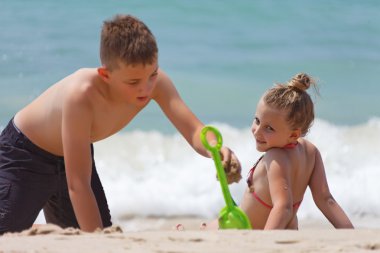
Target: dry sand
[314, 237]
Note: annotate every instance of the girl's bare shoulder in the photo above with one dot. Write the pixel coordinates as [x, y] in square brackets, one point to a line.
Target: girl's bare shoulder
[278, 157]
[309, 147]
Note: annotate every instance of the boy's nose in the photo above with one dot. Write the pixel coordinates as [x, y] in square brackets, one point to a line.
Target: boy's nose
[150, 84]
[145, 88]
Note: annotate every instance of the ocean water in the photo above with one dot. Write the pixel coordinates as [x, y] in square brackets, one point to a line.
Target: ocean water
[222, 56]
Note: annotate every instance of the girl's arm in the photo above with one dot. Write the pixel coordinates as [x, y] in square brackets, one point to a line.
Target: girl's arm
[324, 199]
[280, 190]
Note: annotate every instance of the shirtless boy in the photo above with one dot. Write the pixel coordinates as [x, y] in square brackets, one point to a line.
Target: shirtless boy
[46, 152]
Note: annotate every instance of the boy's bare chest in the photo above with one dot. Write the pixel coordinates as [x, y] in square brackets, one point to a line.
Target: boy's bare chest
[109, 120]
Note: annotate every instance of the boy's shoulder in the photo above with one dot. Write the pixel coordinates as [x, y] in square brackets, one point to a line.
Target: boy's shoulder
[85, 74]
[81, 87]
[79, 78]
[163, 86]
[82, 79]
[162, 77]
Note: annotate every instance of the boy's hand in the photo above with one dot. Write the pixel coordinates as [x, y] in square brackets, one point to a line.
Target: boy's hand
[231, 165]
[233, 171]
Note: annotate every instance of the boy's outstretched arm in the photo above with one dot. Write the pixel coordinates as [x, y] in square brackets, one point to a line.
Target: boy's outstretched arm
[182, 117]
[324, 199]
[76, 129]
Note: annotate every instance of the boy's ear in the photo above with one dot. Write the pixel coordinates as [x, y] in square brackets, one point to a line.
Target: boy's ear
[103, 72]
[295, 134]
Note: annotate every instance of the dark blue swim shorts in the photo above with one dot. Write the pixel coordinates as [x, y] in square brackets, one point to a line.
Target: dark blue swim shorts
[32, 179]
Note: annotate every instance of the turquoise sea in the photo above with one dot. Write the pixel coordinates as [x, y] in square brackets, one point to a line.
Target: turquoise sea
[221, 55]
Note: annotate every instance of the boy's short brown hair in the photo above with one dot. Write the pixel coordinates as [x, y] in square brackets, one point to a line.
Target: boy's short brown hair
[127, 39]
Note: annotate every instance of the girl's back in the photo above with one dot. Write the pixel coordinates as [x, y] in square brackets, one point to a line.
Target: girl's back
[295, 164]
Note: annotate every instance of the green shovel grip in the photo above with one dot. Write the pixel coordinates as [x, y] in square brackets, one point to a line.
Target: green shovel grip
[214, 149]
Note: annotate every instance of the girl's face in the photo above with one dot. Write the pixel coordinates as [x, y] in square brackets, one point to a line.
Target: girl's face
[270, 128]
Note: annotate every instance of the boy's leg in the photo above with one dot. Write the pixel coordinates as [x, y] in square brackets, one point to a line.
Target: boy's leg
[20, 203]
[59, 210]
[25, 181]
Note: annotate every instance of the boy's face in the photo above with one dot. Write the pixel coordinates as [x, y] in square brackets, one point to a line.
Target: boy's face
[270, 128]
[132, 84]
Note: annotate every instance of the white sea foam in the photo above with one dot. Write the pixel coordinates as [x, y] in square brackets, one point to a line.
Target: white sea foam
[151, 174]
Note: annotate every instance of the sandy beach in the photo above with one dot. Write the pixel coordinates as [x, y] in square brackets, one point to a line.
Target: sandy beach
[313, 237]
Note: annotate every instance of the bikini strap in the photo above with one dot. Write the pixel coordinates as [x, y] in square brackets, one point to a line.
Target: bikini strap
[291, 145]
[257, 162]
[250, 173]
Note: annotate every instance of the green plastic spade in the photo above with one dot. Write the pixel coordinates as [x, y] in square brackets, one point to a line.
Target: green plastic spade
[231, 216]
